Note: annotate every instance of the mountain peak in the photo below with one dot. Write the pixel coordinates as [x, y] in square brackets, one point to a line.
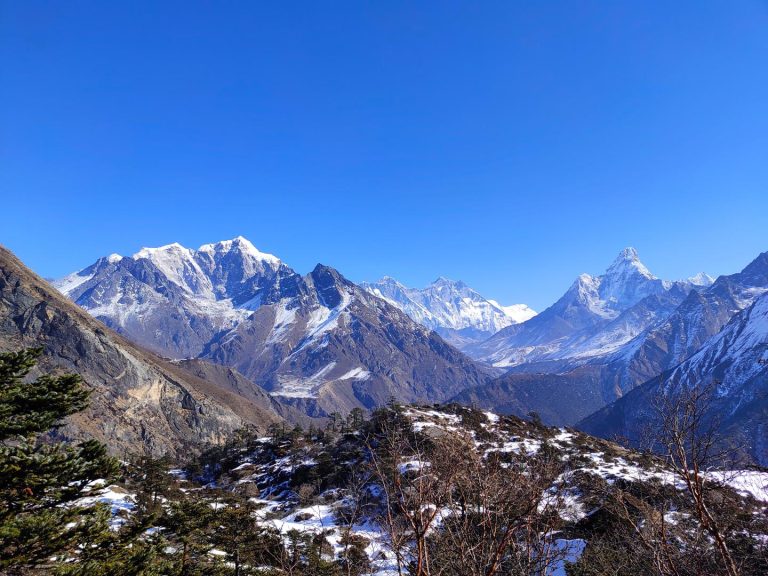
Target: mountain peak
[150, 252]
[629, 253]
[241, 243]
[443, 281]
[388, 280]
[701, 279]
[626, 263]
[330, 273]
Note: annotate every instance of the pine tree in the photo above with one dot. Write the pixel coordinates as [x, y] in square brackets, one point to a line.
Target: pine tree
[40, 480]
[245, 540]
[190, 520]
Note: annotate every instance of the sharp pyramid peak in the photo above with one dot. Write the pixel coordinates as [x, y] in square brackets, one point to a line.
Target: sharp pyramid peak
[629, 253]
[388, 280]
[628, 260]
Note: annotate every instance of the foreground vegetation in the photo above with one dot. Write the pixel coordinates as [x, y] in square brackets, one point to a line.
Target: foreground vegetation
[423, 491]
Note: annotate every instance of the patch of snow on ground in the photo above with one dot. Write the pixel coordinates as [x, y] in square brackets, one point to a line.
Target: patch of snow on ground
[492, 418]
[119, 501]
[304, 387]
[355, 374]
[745, 482]
[527, 446]
[412, 466]
[422, 419]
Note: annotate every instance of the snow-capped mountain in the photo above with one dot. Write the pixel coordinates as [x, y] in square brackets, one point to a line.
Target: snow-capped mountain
[334, 346]
[451, 308]
[596, 316]
[674, 338]
[733, 362]
[319, 340]
[570, 386]
[173, 299]
[701, 279]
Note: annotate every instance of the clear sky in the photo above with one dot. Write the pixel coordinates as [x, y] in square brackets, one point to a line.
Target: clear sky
[509, 144]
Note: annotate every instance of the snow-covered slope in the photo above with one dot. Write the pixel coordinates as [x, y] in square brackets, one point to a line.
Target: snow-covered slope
[451, 308]
[596, 316]
[732, 357]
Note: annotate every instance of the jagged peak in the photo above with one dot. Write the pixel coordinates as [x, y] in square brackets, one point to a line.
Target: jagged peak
[758, 266]
[325, 271]
[629, 253]
[443, 281]
[243, 244]
[701, 279]
[628, 261]
[387, 280]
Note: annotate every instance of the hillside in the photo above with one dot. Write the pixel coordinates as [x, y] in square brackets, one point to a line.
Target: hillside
[139, 401]
[469, 491]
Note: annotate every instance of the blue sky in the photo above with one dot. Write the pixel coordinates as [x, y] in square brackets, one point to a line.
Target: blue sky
[509, 144]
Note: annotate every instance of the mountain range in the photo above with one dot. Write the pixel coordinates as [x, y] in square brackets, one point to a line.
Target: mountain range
[731, 366]
[318, 343]
[596, 316]
[620, 384]
[451, 308]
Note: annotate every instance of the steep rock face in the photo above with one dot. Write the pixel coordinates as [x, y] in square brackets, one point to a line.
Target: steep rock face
[231, 380]
[733, 364]
[454, 310]
[334, 347]
[596, 316]
[139, 402]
